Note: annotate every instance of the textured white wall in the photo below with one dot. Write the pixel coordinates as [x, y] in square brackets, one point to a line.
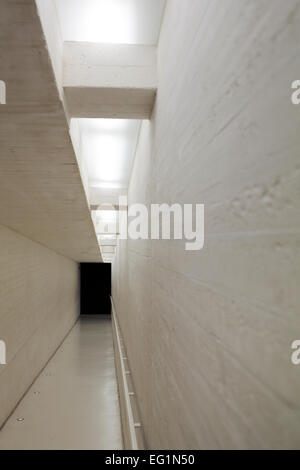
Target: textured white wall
[208, 334]
[39, 292]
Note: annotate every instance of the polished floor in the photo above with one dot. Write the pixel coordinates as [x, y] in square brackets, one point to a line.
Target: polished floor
[73, 404]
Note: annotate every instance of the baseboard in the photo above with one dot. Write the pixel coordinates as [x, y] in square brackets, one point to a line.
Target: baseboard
[133, 436]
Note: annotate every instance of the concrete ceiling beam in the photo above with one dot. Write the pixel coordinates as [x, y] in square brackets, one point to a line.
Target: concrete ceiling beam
[109, 80]
[41, 192]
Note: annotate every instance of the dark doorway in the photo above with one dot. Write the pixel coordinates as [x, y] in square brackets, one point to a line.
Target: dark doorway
[95, 288]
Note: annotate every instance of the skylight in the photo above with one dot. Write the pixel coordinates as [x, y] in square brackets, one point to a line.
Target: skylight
[111, 21]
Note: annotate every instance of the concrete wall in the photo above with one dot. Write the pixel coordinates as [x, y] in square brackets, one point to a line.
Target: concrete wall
[39, 292]
[41, 191]
[208, 334]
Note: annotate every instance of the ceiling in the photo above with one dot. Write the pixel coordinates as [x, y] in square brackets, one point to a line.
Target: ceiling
[111, 21]
[108, 147]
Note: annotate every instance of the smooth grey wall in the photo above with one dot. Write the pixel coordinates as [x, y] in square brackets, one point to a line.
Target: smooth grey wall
[208, 334]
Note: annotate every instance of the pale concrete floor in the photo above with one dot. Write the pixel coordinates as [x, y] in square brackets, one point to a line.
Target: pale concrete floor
[74, 403]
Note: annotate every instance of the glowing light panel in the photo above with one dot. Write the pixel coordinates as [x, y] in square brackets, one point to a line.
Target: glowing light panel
[111, 21]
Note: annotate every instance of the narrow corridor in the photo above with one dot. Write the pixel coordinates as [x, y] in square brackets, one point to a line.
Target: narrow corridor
[73, 404]
[149, 167]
